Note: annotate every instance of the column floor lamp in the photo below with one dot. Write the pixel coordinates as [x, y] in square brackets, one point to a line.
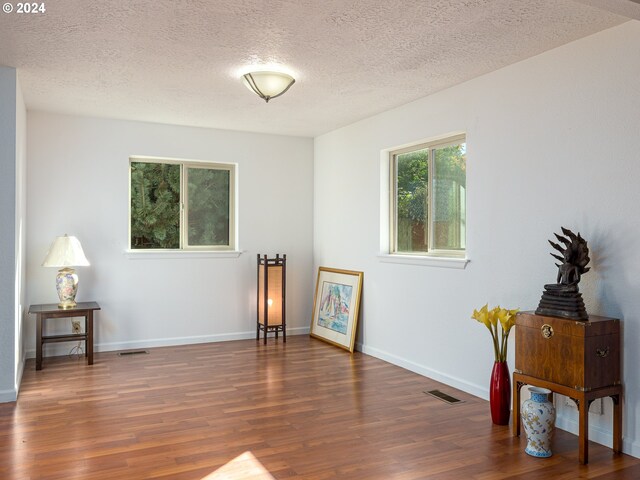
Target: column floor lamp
[271, 307]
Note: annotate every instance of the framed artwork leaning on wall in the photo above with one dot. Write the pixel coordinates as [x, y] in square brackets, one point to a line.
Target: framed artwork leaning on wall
[336, 305]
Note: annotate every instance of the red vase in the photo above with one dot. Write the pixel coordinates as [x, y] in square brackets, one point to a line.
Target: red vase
[500, 394]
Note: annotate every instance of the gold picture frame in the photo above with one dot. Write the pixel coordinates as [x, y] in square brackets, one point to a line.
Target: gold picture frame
[336, 306]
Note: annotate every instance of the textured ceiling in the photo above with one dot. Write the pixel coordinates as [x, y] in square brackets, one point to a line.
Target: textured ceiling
[178, 61]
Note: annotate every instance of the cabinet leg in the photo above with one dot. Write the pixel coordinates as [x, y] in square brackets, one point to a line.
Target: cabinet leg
[617, 423]
[517, 387]
[583, 430]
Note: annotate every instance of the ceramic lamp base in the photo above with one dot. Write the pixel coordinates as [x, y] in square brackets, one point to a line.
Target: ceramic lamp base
[67, 286]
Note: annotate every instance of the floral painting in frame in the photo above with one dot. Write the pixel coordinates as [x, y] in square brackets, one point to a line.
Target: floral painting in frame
[336, 304]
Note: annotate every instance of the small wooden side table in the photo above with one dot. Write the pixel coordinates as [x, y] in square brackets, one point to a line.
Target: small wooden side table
[51, 310]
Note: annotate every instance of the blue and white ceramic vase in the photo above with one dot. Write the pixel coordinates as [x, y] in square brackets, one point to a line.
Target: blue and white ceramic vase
[538, 419]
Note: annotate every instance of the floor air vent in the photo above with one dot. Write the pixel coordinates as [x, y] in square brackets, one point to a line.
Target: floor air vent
[444, 397]
[132, 352]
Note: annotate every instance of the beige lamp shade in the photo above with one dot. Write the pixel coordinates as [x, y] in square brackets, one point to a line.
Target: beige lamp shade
[274, 295]
[65, 251]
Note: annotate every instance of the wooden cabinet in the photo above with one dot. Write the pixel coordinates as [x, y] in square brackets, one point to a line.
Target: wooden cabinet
[578, 354]
[579, 359]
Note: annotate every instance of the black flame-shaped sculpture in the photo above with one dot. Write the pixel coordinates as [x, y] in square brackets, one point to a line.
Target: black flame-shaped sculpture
[563, 299]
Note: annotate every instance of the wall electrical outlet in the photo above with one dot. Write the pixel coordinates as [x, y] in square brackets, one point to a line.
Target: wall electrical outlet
[75, 326]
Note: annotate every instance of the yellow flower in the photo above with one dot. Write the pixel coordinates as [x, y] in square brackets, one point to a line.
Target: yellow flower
[506, 319]
[490, 318]
[482, 316]
[493, 316]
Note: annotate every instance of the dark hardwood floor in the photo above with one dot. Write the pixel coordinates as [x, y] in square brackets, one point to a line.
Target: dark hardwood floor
[303, 410]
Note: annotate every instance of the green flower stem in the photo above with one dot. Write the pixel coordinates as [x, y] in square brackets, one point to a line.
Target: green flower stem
[494, 335]
[503, 346]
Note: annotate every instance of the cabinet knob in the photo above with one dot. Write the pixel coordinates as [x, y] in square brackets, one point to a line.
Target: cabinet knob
[602, 352]
[547, 330]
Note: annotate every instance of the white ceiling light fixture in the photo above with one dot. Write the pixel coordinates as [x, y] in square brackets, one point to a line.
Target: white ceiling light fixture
[268, 85]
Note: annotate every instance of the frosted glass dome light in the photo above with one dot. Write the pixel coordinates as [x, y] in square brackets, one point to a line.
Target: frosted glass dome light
[268, 85]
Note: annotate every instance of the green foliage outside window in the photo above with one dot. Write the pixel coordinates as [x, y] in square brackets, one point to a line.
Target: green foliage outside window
[208, 206]
[413, 180]
[156, 200]
[411, 207]
[448, 199]
[155, 205]
[449, 207]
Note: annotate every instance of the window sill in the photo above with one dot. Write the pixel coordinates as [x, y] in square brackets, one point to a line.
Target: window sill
[169, 254]
[425, 261]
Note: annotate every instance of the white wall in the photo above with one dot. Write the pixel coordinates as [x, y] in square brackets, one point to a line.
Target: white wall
[12, 188]
[78, 184]
[552, 141]
[7, 233]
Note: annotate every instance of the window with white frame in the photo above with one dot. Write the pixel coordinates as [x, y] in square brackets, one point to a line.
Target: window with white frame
[428, 198]
[181, 205]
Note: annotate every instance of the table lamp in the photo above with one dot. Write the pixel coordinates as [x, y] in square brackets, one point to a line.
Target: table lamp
[66, 252]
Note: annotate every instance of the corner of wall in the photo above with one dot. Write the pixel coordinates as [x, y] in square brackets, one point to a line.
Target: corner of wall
[20, 233]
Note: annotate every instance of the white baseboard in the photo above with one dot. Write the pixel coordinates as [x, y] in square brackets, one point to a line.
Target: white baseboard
[631, 448]
[473, 389]
[12, 394]
[63, 349]
[8, 395]
[598, 435]
[20, 371]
